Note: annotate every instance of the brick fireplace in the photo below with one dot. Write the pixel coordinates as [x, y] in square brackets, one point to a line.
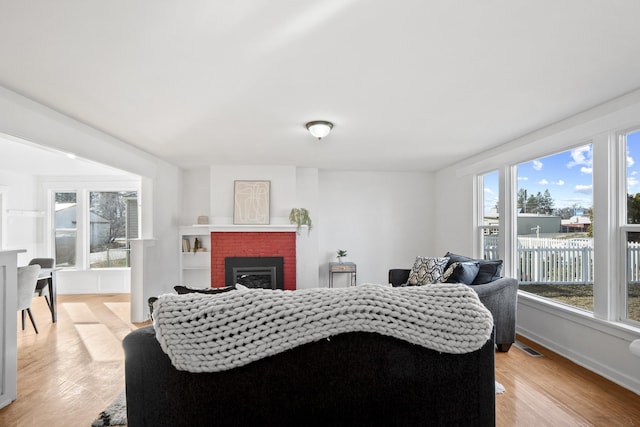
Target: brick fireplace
[253, 244]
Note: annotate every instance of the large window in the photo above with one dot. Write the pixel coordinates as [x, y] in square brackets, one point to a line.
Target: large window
[93, 228]
[631, 227]
[554, 227]
[66, 230]
[490, 221]
[110, 229]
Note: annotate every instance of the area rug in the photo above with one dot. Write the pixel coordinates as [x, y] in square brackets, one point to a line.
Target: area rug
[114, 415]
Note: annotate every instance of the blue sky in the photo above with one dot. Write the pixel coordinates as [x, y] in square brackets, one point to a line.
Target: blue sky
[567, 175]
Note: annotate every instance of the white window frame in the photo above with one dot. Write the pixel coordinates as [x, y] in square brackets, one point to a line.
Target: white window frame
[82, 188]
[609, 204]
[619, 294]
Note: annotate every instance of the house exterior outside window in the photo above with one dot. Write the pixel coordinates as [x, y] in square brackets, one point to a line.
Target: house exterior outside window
[92, 229]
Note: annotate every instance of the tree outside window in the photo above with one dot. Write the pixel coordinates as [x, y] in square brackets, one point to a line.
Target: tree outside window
[112, 222]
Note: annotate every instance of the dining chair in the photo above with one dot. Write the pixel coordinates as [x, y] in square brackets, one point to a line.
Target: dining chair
[43, 283]
[27, 278]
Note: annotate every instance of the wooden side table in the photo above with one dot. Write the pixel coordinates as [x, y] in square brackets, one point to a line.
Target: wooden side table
[344, 267]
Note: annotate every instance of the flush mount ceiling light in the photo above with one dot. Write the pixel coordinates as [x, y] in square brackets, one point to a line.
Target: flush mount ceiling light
[319, 128]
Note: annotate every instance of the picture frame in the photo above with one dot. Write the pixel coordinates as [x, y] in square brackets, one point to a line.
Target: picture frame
[251, 204]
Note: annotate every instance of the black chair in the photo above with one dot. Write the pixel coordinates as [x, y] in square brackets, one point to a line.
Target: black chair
[43, 282]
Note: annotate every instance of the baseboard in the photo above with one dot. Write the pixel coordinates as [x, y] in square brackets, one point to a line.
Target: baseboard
[605, 371]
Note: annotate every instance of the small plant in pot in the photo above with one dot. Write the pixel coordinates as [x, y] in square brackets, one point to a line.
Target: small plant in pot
[300, 217]
[341, 253]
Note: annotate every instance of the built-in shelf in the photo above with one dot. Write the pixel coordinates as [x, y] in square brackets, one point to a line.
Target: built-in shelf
[195, 267]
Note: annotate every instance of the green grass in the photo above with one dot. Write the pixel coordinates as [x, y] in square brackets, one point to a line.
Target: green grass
[581, 296]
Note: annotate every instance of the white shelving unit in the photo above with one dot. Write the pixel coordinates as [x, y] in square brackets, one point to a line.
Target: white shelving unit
[195, 267]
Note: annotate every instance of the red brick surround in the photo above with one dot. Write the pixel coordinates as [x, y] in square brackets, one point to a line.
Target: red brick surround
[253, 244]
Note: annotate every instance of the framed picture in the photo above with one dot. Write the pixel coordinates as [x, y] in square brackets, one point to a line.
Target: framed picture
[251, 202]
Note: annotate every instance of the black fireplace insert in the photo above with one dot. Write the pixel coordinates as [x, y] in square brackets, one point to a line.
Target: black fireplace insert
[254, 272]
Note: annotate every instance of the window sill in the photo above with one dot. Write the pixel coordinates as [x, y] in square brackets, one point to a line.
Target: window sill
[586, 318]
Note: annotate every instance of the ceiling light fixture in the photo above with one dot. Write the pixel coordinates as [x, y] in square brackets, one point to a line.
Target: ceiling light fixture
[319, 128]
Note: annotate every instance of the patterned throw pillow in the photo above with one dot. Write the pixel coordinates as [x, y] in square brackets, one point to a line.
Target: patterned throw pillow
[426, 270]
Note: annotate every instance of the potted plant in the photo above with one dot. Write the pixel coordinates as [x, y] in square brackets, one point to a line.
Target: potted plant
[341, 253]
[300, 217]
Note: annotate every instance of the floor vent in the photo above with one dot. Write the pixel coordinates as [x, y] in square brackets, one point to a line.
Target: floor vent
[531, 352]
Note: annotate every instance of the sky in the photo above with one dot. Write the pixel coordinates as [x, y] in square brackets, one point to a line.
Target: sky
[567, 175]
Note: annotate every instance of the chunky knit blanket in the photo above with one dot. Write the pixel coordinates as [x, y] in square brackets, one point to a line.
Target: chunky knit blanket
[210, 333]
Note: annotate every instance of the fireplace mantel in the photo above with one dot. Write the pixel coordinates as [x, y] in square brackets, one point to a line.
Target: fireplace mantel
[226, 228]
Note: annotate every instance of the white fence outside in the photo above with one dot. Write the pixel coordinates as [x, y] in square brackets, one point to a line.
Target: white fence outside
[560, 262]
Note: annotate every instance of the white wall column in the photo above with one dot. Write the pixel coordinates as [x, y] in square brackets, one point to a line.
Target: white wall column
[8, 326]
[140, 248]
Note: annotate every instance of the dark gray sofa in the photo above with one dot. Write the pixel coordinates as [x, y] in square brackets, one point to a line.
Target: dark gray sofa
[351, 379]
[499, 296]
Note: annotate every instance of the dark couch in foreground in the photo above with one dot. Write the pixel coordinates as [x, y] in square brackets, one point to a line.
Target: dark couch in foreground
[499, 296]
[352, 379]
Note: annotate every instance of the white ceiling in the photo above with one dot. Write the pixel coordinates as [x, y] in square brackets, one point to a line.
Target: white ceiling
[409, 85]
[19, 156]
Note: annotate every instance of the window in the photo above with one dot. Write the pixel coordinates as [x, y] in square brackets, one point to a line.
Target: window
[112, 222]
[489, 206]
[554, 227]
[65, 225]
[631, 228]
[92, 228]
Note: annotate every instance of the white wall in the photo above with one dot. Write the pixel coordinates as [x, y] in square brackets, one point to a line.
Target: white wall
[591, 340]
[307, 180]
[160, 190]
[383, 220]
[195, 195]
[24, 215]
[283, 190]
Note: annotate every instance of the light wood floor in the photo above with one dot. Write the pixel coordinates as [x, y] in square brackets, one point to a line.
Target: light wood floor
[72, 370]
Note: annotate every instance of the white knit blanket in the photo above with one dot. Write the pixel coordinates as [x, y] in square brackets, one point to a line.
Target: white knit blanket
[210, 333]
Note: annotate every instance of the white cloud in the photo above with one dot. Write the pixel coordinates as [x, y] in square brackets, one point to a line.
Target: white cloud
[585, 189]
[488, 191]
[523, 178]
[582, 156]
[559, 182]
[543, 182]
[632, 182]
[630, 161]
[585, 170]
[537, 165]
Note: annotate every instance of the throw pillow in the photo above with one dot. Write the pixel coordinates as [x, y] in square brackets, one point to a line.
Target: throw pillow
[461, 272]
[489, 271]
[426, 270]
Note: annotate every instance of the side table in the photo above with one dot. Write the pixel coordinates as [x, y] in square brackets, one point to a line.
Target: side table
[342, 267]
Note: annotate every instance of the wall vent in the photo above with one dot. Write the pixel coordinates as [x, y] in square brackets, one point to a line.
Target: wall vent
[531, 352]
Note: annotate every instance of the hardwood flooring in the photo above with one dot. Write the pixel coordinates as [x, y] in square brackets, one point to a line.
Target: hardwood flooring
[553, 391]
[73, 369]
